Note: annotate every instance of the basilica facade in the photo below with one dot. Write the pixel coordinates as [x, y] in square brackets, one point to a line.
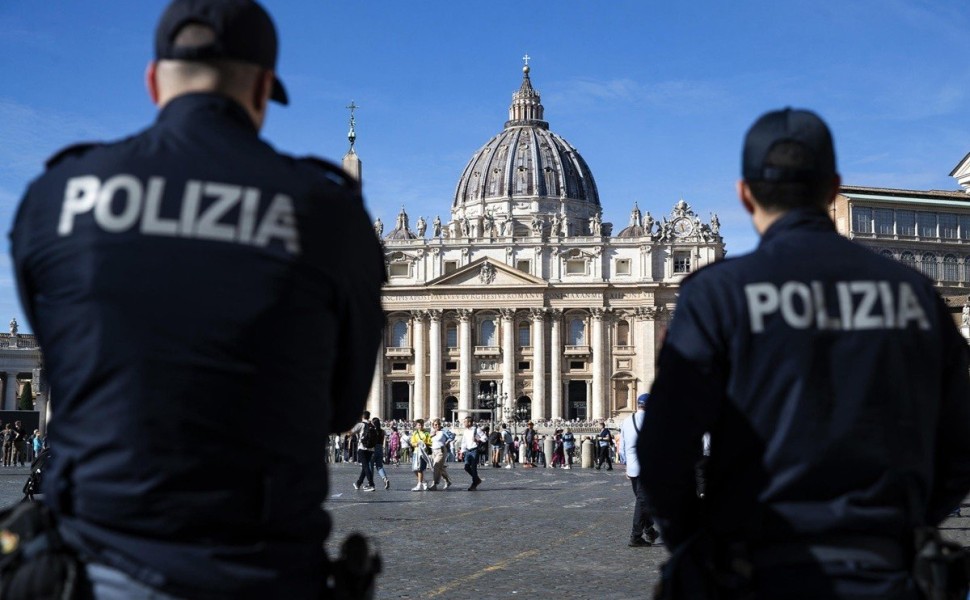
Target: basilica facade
[525, 304]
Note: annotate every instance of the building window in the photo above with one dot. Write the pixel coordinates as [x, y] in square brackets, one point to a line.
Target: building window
[451, 266]
[966, 268]
[488, 333]
[451, 335]
[399, 335]
[623, 266]
[886, 253]
[928, 265]
[399, 270]
[908, 259]
[861, 219]
[577, 365]
[884, 221]
[682, 261]
[525, 334]
[948, 226]
[524, 265]
[451, 365]
[577, 332]
[905, 222]
[950, 268]
[965, 227]
[622, 333]
[576, 266]
[399, 366]
[926, 224]
[524, 365]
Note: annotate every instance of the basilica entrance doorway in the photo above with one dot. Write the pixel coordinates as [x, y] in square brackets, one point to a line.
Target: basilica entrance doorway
[576, 399]
[400, 400]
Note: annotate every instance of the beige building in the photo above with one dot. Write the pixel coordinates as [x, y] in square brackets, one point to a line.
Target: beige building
[927, 230]
[523, 302]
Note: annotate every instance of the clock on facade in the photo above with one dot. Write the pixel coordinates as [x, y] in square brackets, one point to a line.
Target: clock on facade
[683, 227]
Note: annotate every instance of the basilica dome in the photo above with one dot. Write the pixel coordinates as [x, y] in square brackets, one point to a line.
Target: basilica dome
[527, 170]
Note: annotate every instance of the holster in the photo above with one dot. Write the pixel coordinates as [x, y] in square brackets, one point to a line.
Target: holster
[34, 561]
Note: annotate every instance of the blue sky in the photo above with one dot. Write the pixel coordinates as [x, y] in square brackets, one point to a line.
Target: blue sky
[656, 96]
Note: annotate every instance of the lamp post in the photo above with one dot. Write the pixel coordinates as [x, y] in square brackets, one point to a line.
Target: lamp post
[490, 400]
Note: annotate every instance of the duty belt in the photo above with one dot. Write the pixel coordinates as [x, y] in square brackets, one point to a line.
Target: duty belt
[872, 551]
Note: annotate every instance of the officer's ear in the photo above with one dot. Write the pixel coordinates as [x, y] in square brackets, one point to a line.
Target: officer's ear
[261, 93]
[151, 81]
[746, 197]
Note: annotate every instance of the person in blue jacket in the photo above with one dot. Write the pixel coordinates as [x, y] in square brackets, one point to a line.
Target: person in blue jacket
[834, 386]
[185, 283]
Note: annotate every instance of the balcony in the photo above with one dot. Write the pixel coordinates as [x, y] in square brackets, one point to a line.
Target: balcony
[399, 352]
[488, 351]
[577, 351]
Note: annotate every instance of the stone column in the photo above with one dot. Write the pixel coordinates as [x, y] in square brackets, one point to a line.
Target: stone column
[599, 364]
[436, 406]
[555, 364]
[539, 362]
[465, 361]
[646, 345]
[508, 351]
[420, 377]
[10, 391]
[375, 398]
[411, 399]
[589, 401]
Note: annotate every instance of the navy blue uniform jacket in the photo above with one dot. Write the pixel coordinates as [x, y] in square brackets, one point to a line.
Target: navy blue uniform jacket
[209, 310]
[833, 382]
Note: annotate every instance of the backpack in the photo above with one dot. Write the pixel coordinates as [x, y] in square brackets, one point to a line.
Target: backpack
[495, 438]
[449, 435]
[368, 436]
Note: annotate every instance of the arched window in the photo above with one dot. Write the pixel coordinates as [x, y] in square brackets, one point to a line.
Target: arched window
[886, 253]
[488, 333]
[525, 334]
[577, 332]
[399, 334]
[928, 265]
[622, 333]
[451, 335]
[908, 259]
[950, 268]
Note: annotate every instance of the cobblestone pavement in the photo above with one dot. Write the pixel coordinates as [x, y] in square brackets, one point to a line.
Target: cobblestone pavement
[537, 533]
[526, 533]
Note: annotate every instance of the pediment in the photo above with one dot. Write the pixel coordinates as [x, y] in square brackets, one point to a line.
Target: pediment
[486, 272]
[961, 172]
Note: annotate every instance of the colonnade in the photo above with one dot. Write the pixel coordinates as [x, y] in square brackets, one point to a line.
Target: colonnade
[429, 384]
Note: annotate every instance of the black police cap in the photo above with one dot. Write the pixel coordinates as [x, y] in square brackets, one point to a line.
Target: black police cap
[802, 127]
[243, 31]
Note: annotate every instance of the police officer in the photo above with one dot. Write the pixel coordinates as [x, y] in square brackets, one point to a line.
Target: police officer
[186, 284]
[834, 386]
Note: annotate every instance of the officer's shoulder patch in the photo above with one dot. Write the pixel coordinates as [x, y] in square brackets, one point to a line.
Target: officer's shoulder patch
[331, 171]
[72, 150]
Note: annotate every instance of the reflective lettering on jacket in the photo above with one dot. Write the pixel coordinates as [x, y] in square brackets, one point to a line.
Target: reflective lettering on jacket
[122, 202]
[861, 305]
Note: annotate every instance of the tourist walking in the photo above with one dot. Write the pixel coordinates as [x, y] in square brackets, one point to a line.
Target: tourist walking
[439, 451]
[366, 440]
[421, 444]
[569, 447]
[604, 443]
[377, 460]
[643, 532]
[509, 447]
[394, 446]
[470, 439]
[529, 438]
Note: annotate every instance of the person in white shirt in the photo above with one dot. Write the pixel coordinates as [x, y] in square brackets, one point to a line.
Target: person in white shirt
[469, 449]
[643, 533]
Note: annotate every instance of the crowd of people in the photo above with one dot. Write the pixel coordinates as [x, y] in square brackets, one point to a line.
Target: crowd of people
[411, 443]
